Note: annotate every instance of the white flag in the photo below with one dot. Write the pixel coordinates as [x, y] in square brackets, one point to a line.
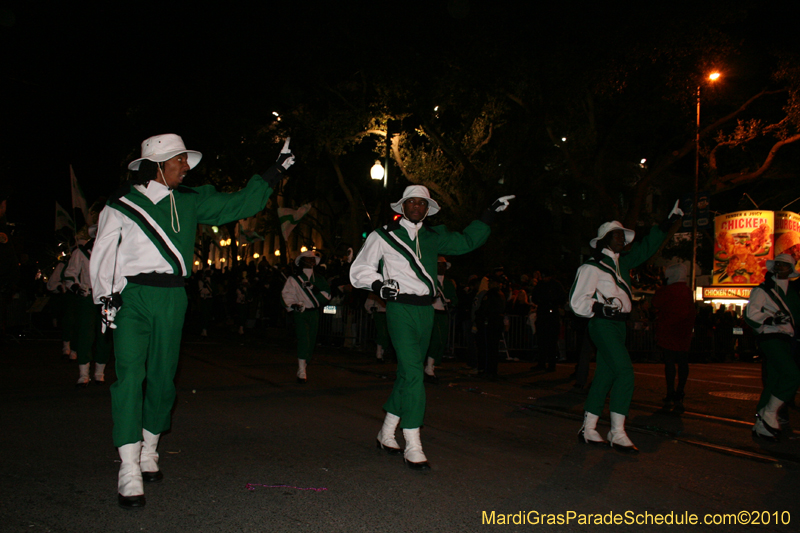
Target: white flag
[290, 217]
[78, 199]
[63, 219]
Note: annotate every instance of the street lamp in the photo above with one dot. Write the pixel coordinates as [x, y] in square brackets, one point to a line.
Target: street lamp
[377, 171]
[712, 77]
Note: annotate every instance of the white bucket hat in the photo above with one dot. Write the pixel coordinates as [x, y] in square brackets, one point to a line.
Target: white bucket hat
[416, 191]
[311, 253]
[783, 258]
[160, 148]
[607, 228]
[675, 273]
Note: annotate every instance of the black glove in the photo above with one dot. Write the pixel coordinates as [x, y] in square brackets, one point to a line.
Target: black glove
[604, 310]
[499, 205]
[674, 215]
[275, 173]
[308, 285]
[387, 289]
[75, 288]
[297, 307]
[780, 319]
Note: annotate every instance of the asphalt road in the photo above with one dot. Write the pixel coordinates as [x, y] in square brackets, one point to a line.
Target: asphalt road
[251, 450]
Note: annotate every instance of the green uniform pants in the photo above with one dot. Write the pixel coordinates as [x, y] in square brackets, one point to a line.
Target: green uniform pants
[410, 329]
[146, 347]
[614, 371]
[306, 325]
[783, 376]
[441, 324]
[70, 302]
[381, 330]
[88, 335]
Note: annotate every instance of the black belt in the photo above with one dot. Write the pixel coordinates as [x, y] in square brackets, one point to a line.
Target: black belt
[785, 337]
[155, 279]
[619, 317]
[440, 311]
[413, 299]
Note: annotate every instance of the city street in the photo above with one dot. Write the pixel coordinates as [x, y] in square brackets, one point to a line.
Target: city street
[252, 450]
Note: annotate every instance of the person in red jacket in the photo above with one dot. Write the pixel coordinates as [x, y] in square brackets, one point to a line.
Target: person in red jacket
[675, 310]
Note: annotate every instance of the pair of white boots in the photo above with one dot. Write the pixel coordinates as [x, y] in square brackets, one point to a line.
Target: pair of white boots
[617, 437]
[83, 374]
[413, 454]
[139, 464]
[767, 425]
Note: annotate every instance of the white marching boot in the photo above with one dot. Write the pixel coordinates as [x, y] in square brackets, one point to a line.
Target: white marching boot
[767, 426]
[130, 487]
[379, 353]
[148, 460]
[618, 438]
[83, 378]
[386, 440]
[413, 454]
[301, 371]
[99, 373]
[588, 433]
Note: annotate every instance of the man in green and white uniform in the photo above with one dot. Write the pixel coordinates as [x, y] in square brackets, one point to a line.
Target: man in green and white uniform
[143, 251]
[602, 291]
[63, 303]
[88, 338]
[399, 263]
[303, 294]
[773, 312]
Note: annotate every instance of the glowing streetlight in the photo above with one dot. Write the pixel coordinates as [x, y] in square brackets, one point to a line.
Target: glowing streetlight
[209, 262]
[377, 171]
[303, 249]
[714, 76]
[215, 229]
[277, 253]
[256, 255]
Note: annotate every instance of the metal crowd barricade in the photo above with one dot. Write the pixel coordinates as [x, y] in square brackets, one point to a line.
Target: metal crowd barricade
[351, 327]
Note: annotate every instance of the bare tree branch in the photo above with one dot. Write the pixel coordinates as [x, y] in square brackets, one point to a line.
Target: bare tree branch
[737, 178]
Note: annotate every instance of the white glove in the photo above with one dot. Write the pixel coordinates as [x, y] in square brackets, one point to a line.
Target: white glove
[284, 161]
[676, 211]
[501, 203]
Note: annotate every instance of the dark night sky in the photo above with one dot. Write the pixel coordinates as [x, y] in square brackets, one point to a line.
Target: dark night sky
[84, 86]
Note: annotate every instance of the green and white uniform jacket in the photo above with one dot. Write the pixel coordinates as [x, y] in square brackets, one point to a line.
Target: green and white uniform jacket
[140, 232]
[296, 291]
[609, 281]
[391, 253]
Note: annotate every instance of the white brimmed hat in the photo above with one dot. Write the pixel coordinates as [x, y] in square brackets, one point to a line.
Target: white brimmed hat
[160, 148]
[416, 191]
[607, 228]
[675, 273]
[783, 258]
[311, 253]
